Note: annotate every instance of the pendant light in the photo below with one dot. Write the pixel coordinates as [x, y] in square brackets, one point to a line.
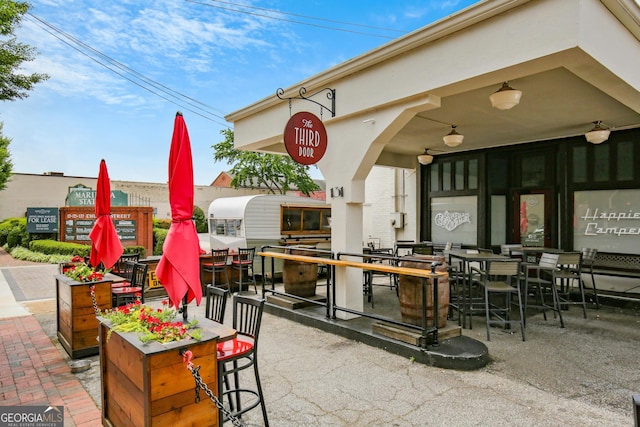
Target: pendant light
[505, 98]
[425, 158]
[598, 134]
[453, 138]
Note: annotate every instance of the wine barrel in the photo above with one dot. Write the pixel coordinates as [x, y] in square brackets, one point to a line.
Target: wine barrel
[300, 278]
[410, 292]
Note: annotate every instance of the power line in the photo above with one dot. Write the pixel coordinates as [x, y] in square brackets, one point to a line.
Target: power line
[82, 48]
[291, 21]
[307, 16]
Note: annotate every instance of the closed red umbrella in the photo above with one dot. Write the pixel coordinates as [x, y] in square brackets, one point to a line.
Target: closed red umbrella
[179, 267]
[105, 243]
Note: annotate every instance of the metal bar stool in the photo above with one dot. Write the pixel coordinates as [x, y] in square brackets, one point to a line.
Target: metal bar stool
[218, 265]
[243, 263]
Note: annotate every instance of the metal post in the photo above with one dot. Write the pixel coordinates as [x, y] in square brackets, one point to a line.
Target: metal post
[424, 312]
[636, 409]
[435, 310]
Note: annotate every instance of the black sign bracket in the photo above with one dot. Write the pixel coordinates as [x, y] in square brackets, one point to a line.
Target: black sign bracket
[302, 94]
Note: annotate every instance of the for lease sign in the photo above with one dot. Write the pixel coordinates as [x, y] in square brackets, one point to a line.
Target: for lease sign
[42, 220]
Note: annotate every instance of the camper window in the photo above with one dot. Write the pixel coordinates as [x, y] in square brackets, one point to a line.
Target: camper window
[291, 219]
[227, 227]
[311, 220]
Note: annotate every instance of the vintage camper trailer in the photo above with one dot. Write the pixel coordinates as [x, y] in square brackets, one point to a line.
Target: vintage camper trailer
[264, 219]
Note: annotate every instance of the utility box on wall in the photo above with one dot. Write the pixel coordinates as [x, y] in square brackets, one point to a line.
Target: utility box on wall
[397, 219]
[134, 225]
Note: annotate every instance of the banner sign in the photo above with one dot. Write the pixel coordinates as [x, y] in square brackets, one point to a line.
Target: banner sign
[305, 138]
[42, 220]
[80, 195]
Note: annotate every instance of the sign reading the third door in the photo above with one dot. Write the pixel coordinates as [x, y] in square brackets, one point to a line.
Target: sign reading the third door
[305, 138]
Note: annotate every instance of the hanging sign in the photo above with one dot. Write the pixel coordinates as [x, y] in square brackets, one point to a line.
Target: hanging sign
[305, 138]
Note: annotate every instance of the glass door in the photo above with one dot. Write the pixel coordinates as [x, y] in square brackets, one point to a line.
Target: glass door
[532, 214]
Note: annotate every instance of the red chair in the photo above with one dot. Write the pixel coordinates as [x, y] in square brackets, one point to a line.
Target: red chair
[241, 353]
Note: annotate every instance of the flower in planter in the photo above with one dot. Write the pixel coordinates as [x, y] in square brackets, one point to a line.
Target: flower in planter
[151, 324]
[82, 272]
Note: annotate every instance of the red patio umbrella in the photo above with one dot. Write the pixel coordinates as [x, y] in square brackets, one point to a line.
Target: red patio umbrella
[105, 243]
[179, 267]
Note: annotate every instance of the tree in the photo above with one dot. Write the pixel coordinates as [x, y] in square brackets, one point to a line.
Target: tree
[5, 159]
[276, 172]
[14, 85]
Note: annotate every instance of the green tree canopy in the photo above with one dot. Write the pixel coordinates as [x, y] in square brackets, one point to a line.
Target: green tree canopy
[13, 84]
[276, 172]
[5, 159]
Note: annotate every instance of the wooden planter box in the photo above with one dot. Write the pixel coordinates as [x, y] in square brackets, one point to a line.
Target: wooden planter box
[77, 326]
[149, 385]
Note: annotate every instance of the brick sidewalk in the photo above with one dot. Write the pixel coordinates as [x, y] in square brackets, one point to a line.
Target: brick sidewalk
[33, 371]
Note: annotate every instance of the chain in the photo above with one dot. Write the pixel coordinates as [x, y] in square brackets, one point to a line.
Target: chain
[93, 300]
[186, 358]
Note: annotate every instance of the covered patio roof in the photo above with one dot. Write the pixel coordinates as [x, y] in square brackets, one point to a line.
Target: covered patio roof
[575, 61]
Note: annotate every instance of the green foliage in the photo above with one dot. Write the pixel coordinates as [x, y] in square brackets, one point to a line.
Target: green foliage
[28, 255]
[164, 224]
[13, 84]
[278, 173]
[6, 226]
[201, 219]
[159, 234]
[136, 249]
[51, 247]
[6, 166]
[14, 238]
[17, 235]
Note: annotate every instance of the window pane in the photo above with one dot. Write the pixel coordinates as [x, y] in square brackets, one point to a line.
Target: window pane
[454, 219]
[533, 168]
[459, 177]
[498, 173]
[291, 219]
[601, 162]
[435, 179]
[311, 220]
[446, 176]
[473, 174]
[498, 220]
[579, 164]
[625, 161]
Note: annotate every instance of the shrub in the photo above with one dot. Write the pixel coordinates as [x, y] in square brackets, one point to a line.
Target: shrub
[201, 219]
[64, 248]
[13, 232]
[159, 235]
[14, 238]
[5, 228]
[164, 224]
[136, 249]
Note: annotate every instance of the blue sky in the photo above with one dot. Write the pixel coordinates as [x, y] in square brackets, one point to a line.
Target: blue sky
[204, 55]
